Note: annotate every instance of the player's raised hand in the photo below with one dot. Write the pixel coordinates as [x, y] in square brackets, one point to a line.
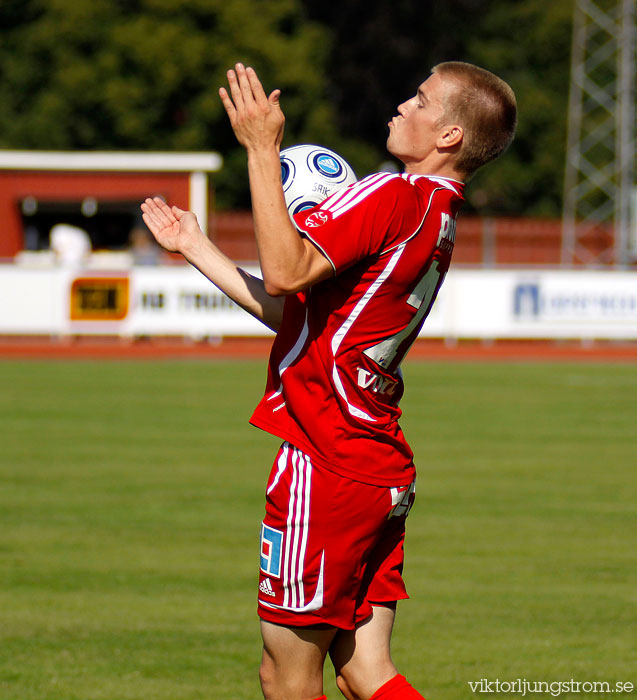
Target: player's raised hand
[256, 119]
[174, 229]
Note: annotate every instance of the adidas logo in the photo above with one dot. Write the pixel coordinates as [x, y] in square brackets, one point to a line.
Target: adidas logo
[266, 587]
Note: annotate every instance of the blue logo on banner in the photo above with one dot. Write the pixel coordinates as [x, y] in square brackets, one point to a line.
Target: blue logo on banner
[271, 547]
[526, 300]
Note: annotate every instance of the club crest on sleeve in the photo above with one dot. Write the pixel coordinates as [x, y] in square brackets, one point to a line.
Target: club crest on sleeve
[317, 218]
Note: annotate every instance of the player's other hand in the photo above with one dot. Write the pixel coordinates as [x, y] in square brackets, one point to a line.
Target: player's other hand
[256, 119]
[174, 229]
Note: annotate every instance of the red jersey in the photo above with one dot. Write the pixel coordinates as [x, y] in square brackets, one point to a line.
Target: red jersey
[334, 382]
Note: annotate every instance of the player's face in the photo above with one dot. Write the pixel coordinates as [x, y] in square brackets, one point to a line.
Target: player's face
[413, 132]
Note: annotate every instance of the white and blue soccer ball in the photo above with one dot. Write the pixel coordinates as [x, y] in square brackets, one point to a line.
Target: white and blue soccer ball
[310, 174]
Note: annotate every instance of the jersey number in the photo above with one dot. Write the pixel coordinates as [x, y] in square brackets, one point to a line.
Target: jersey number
[423, 296]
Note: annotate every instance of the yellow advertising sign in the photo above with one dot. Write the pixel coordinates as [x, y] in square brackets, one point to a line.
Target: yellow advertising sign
[99, 298]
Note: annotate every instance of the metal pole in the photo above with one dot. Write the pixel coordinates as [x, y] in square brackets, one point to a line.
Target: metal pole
[571, 172]
[625, 133]
[198, 199]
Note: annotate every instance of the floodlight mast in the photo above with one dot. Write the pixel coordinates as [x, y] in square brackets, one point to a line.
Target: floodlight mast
[599, 183]
[626, 215]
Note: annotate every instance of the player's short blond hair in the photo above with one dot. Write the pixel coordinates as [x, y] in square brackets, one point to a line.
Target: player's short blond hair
[484, 106]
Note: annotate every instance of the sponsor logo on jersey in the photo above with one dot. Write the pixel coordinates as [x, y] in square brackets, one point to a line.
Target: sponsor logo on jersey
[375, 382]
[327, 165]
[447, 233]
[266, 587]
[318, 218]
[402, 499]
[271, 547]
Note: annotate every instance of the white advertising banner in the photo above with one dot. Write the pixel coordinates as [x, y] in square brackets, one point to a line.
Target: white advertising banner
[539, 304]
[178, 300]
[31, 301]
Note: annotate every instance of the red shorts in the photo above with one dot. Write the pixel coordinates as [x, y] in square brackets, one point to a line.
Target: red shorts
[330, 547]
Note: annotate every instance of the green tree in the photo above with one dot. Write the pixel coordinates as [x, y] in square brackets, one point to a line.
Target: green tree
[383, 51]
[528, 44]
[144, 74]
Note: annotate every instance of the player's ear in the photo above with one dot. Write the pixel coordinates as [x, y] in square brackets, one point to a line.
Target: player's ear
[450, 135]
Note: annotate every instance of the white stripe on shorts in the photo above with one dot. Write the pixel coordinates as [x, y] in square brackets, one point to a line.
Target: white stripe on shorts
[297, 530]
[281, 464]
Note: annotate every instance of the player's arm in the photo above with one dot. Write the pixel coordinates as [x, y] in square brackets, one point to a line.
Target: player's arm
[177, 231]
[289, 263]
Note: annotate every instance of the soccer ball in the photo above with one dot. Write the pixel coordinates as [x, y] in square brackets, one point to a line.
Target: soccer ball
[310, 174]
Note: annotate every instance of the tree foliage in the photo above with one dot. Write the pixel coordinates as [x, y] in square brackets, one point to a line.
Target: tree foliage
[144, 74]
[380, 56]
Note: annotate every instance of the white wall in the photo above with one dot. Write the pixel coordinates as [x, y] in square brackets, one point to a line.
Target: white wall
[177, 300]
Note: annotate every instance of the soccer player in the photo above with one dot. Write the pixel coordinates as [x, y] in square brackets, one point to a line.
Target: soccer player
[347, 290]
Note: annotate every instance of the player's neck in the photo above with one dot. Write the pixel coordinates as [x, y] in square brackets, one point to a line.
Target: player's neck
[436, 169]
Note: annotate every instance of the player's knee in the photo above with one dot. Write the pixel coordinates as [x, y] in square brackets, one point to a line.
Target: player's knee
[361, 682]
[267, 678]
[279, 684]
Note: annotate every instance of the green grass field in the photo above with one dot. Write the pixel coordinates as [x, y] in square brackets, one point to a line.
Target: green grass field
[131, 497]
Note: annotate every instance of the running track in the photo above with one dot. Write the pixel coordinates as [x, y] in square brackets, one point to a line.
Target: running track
[238, 348]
